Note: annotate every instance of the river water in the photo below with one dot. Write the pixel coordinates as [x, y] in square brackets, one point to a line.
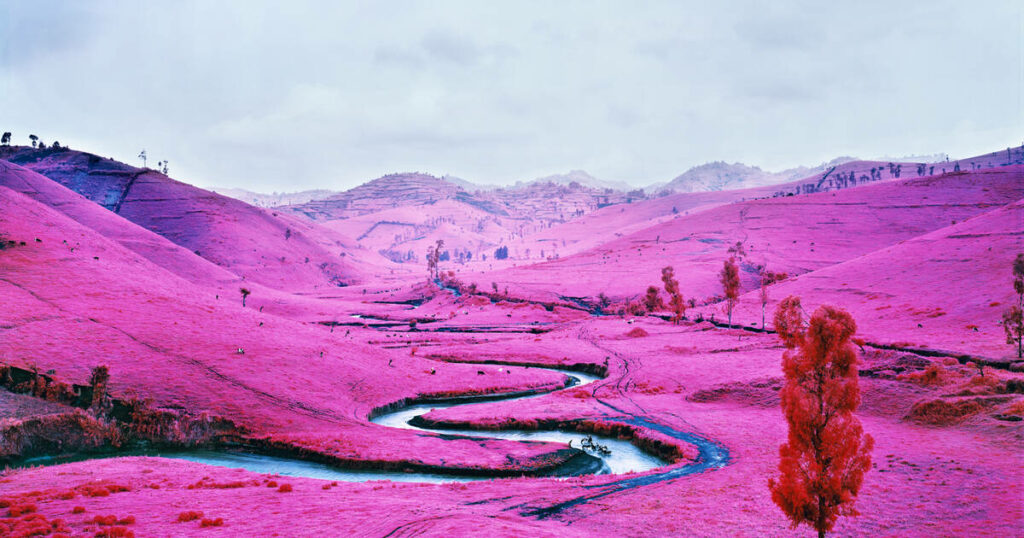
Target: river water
[624, 456]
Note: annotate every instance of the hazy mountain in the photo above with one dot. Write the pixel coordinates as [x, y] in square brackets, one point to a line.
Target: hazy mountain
[581, 177]
[274, 199]
[718, 175]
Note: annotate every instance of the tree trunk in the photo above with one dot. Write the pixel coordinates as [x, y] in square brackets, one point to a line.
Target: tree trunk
[820, 526]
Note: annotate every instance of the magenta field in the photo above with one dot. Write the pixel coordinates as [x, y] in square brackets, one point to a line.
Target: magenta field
[455, 268]
[576, 403]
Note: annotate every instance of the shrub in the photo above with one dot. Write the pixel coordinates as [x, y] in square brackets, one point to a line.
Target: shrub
[115, 532]
[1016, 408]
[207, 522]
[933, 375]
[104, 520]
[19, 509]
[190, 515]
[285, 488]
[78, 510]
[943, 412]
[652, 300]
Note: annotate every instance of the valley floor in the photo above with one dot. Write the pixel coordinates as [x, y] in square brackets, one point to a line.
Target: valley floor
[961, 476]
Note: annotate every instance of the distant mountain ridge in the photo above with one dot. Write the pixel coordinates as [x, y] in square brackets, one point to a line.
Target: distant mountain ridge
[719, 175]
[274, 199]
[708, 177]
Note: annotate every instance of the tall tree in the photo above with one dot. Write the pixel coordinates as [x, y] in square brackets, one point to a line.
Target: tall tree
[433, 257]
[98, 381]
[764, 294]
[1013, 317]
[431, 264]
[730, 279]
[1013, 324]
[6, 139]
[826, 454]
[33, 138]
[675, 299]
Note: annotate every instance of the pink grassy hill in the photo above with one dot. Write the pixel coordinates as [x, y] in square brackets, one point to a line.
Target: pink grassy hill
[792, 234]
[263, 246]
[93, 273]
[299, 387]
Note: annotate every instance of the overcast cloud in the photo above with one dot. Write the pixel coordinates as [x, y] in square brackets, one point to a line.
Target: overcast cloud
[292, 95]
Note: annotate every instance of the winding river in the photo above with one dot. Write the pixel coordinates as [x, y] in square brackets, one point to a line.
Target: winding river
[624, 456]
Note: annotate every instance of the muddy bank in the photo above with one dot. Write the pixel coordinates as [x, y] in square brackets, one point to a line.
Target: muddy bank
[84, 418]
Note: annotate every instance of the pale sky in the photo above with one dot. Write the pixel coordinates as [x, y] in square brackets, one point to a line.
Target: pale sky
[288, 96]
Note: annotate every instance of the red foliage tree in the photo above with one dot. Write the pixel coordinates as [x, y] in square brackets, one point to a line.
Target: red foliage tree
[675, 299]
[823, 461]
[730, 279]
